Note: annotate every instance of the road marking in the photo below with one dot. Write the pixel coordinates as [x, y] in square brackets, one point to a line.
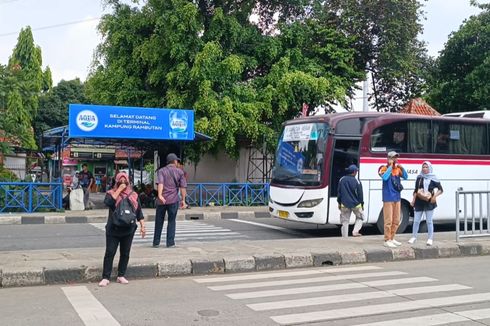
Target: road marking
[273, 227]
[318, 301]
[370, 310]
[90, 310]
[437, 319]
[352, 297]
[303, 281]
[309, 289]
[314, 289]
[407, 280]
[284, 274]
[429, 289]
[185, 231]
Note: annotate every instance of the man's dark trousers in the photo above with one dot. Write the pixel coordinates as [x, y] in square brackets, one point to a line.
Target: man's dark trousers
[171, 209]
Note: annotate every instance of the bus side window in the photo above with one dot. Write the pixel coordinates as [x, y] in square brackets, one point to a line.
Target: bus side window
[391, 137]
[441, 137]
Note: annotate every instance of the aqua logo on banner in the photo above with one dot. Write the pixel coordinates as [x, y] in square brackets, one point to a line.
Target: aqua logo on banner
[87, 120]
[178, 124]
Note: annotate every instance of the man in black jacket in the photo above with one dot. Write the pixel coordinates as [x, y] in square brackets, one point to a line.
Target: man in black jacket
[350, 200]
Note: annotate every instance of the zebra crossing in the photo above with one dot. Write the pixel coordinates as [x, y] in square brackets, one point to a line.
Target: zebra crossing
[344, 294]
[186, 231]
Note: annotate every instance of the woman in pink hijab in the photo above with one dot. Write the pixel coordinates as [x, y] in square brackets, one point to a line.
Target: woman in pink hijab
[120, 235]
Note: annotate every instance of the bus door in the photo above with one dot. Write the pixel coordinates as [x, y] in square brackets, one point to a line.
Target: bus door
[345, 153]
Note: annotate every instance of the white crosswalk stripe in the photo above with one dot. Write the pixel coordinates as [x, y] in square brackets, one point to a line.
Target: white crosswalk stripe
[342, 293]
[185, 231]
[437, 319]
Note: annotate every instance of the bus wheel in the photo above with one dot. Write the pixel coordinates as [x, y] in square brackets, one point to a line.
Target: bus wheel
[404, 219]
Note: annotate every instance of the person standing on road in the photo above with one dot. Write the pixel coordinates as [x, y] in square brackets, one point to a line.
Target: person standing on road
[391, 175]
[350, 199]
[425, 201]
[120, 235]
[170, 179]
[86, 179]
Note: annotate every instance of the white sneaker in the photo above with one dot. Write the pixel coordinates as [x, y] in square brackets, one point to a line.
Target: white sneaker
[429, 242]
[412, 240]
[396, 243]
[389, 244]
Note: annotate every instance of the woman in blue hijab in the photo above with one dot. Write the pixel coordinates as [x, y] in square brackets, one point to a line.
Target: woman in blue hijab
[427, 189]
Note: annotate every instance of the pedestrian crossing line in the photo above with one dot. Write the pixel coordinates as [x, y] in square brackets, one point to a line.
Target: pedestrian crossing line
[284, 274]
[284, 304]
[88, 308]
[437, 319]
[186, 231]
[309, 289]
[202, 231]
[319, 288]
[317, 301]
[304, 280]
[408, 280]
[211, 238]
[370, 310]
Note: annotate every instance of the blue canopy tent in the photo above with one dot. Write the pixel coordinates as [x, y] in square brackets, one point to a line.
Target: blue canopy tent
[128, 128]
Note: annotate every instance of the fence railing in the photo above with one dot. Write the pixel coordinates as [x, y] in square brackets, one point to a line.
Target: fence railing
[30, 197]
[227, 194]
[472, 208]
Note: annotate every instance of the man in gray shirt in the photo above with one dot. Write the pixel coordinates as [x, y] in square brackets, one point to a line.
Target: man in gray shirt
[170, 180]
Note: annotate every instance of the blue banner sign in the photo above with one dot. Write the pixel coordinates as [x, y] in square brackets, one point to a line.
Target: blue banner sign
[101, 121]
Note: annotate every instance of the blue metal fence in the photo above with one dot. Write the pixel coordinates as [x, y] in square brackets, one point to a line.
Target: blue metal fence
[227, 194]
[30, 197]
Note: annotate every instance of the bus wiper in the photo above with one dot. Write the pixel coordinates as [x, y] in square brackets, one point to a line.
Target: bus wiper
[291, 177]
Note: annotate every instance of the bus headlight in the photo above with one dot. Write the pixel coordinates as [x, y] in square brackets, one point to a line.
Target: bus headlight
[310, 203]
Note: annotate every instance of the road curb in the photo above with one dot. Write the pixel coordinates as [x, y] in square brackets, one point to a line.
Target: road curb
[7, 219]
[229, 264]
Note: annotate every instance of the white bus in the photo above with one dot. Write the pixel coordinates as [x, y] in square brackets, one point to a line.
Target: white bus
[313, 153]
[470, 114]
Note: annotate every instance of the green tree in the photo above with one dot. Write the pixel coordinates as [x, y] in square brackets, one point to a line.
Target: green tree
[386, 45]
[21, 84]
[461, 77]
[26, 57]
[243, 79]
[16, 121]
[53, 105]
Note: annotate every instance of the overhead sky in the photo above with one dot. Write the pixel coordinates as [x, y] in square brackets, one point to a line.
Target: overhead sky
[66, 29]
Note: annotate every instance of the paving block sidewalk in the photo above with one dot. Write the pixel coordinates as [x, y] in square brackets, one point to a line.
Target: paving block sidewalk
[43, 267]
[100, 215]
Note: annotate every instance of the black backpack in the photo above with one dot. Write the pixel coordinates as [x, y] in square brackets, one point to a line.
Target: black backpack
[124, 215]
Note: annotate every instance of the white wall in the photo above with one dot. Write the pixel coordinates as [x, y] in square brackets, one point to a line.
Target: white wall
[16, 164]
[220, 168]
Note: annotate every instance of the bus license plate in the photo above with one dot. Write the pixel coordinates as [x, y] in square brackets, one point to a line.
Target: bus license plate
[283, 214]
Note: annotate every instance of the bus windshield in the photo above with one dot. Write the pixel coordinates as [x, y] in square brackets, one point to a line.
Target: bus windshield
[300, 155]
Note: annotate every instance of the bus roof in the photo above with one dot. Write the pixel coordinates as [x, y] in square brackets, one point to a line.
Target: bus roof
[333, 118]
[470, 114]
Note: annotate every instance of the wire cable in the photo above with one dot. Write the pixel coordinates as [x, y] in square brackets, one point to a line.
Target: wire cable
[53, 26]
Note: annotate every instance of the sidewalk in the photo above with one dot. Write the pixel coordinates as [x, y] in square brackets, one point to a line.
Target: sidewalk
[100, 215]
[41, 267]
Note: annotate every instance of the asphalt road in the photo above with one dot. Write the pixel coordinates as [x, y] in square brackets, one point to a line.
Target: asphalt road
[60, 236]
[399, 293]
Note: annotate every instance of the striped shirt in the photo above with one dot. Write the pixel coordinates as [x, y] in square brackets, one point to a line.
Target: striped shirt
[172, 178]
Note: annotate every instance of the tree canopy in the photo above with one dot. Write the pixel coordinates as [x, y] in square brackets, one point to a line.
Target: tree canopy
[461, 77]
[386, 44]
[243, 79]
[21, 83]
[53, 105]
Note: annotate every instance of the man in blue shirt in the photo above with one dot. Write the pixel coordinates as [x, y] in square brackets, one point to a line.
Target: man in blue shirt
[350, 199]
